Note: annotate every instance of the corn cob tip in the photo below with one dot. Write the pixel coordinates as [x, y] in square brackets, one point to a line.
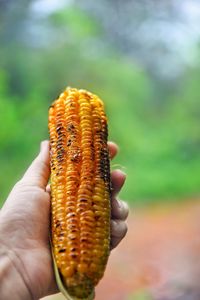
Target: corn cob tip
[62, 287]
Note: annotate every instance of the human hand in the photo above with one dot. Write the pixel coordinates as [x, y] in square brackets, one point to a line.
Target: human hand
[26, 269]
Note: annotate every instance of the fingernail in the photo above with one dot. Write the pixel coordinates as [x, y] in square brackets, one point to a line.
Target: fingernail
[43, 145]
[119, 170]
[123, 173]
[119, 204]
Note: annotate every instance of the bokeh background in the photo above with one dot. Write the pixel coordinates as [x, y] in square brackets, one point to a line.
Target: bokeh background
[142, 58]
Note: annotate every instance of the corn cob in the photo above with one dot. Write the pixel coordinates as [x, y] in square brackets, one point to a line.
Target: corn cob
[80, 191]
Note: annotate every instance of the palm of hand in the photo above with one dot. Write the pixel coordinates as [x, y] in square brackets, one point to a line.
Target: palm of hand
[29, 233]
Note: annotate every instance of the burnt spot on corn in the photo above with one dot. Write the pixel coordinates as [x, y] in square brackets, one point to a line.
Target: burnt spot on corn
[51, 106]
[62, 250]
[70, 128]
[80, 189]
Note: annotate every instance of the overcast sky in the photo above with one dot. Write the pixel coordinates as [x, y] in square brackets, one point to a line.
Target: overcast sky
[179, 36]
[48, 6]
[190, 17]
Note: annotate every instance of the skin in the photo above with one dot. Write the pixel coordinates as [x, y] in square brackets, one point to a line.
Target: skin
[26, 270]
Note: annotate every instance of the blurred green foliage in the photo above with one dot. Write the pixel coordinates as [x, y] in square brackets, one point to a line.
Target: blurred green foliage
[157, 128]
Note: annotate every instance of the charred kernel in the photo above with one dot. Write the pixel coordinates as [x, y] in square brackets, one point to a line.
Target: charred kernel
[86, 240]
[80, 190]
[73, 255]
[61, 250]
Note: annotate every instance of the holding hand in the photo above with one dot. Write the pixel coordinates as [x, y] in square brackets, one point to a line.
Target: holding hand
[26, 270]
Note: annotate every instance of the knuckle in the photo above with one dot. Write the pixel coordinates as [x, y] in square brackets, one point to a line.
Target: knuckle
[125, 230]
[120, 209]
[118, 228]
[20, 185]
[125, 210]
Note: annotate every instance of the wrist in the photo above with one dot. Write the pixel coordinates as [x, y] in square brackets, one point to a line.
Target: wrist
[12, 283]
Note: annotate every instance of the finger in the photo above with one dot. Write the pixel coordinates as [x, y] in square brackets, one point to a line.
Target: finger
[118, 232]
[117, 179]
[48, 188]
[39, 171]
[120, 209]
[114, 243]
[113, 149]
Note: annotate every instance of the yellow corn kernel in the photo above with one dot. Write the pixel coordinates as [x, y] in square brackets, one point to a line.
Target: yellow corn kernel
[80, 190]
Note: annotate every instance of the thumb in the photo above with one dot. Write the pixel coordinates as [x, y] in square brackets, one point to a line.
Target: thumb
[39, 171]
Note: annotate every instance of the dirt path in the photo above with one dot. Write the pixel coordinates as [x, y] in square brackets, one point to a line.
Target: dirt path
[159, 259]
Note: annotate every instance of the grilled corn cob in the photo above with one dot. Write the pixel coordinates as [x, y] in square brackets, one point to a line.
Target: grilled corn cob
[80, 191]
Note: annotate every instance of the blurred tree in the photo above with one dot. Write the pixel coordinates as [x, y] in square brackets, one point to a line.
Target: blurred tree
[156, 125]
[155, 33]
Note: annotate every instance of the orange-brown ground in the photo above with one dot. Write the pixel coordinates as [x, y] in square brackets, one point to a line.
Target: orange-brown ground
[159, 259]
